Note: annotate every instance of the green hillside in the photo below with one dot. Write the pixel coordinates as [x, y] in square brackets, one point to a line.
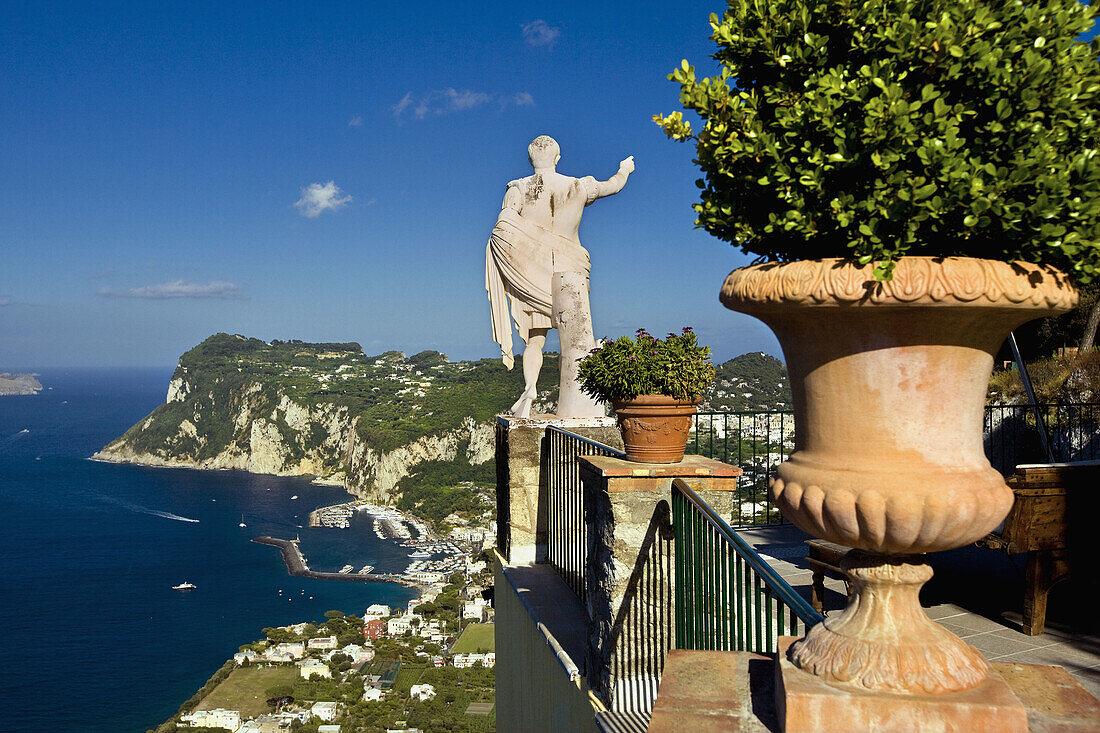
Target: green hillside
[754, 382]
[397, 398]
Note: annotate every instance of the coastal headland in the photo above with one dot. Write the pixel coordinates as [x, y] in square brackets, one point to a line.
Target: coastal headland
[296, 566]
[325, 410]
[19, 384]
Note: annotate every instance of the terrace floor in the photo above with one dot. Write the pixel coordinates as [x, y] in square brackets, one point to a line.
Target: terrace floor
[977, 594]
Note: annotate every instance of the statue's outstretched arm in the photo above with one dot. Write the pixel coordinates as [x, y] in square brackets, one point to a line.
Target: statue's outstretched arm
[615, 184]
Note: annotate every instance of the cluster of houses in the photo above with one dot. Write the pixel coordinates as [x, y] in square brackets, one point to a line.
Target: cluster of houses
[313, 658]
[380, 620]
[281, 722]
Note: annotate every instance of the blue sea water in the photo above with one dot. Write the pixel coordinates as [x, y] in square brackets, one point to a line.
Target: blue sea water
[92, 636]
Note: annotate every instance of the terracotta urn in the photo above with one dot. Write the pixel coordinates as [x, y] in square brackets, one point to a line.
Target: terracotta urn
[889, 382]
[655, 428]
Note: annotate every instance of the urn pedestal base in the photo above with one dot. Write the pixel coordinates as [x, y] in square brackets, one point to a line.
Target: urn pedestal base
[883, 641]
[805, 703]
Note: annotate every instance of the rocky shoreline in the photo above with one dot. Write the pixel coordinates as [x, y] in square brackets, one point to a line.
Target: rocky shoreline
[370, 474]
[19, 384]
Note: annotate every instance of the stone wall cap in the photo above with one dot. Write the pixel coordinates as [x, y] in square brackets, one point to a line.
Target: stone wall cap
[565, 423]
[690, 467]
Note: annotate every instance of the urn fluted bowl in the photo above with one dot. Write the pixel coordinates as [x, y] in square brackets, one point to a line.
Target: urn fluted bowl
[889, 382]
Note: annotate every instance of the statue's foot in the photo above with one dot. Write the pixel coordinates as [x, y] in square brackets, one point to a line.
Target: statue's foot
[522, 408]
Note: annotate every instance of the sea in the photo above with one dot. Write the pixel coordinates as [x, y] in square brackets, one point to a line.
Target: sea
[92, 635]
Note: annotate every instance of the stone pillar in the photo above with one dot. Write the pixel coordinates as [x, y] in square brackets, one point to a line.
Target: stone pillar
[521, 479]
[630, 570]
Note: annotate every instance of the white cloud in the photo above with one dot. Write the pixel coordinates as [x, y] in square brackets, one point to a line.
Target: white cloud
[177, 289]
[318, 198]
[403, 104]
[540, 33]
[446, 101]
[355, 121]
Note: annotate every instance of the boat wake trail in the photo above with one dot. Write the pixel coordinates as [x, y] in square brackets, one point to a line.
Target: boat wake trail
[146, 510]
[8, 441]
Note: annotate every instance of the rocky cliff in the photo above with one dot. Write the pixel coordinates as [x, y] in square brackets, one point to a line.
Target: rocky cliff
[19, 384]
[327, 410]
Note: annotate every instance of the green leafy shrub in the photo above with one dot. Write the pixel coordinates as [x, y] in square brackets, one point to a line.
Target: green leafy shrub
[625, 368]
[875, 129]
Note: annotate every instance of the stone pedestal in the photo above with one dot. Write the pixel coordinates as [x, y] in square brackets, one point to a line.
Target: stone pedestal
[805, 703]
[521, 479]
[735, 692]
[629, 573]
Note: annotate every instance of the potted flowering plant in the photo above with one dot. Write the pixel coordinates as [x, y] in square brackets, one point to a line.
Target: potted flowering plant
[654, 386]
[910, 174]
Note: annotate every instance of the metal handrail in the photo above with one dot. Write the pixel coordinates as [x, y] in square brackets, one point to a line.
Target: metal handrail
[786, 593]
[600, 448]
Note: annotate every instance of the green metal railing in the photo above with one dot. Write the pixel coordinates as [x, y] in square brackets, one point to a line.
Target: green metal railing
[567, 537]
[727, 597]
[755, 441]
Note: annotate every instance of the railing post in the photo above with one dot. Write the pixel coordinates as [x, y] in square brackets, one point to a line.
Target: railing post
[627, 509]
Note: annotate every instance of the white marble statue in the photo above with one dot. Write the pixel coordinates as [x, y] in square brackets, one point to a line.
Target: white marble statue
[535, 260]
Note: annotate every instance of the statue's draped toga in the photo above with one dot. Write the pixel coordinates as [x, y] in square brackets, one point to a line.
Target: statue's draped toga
[520, 261]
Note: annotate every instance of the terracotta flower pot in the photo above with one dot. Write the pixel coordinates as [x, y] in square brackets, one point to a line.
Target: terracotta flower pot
[889, 383]
[655, 428]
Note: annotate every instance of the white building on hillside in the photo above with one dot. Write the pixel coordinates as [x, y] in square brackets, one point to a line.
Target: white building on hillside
[295, 649]
[267, 724]
[400, 624]
[372, 694]
[474, 608]
[326, 711]
[322, 642]
[422, 692]
[246, 657]
[377, 610]
[312, 668]
[217, 718]
[464, 661]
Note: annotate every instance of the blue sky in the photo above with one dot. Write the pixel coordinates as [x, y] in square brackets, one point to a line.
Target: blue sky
[154, 154]
[331, 171]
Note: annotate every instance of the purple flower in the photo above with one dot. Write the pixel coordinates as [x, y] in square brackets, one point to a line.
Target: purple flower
[685, 329]
[633, 358]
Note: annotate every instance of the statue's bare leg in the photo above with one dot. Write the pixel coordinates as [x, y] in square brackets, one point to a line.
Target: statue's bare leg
[532, 365]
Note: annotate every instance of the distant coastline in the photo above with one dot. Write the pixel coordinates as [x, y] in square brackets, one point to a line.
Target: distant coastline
[19, 384]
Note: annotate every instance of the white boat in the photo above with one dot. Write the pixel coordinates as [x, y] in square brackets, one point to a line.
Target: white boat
[294, 497]
[184, 586]
[242, 524]
[421, 553]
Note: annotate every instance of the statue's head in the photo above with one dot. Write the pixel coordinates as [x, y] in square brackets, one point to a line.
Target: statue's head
[543, 152]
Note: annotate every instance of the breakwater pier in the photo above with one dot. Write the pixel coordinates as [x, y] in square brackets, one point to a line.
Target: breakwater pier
[296, 566]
